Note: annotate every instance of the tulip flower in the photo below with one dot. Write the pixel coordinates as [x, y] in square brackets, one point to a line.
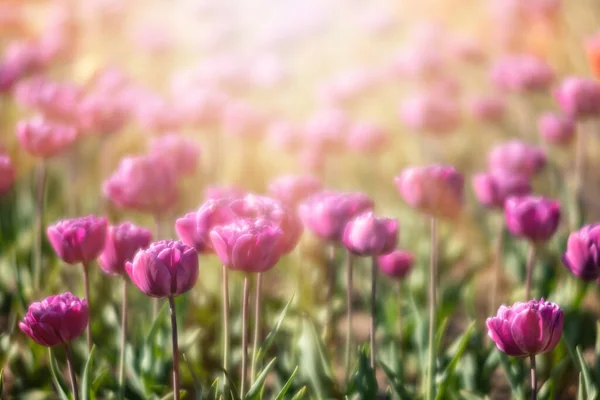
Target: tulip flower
[166, 269]
[292, 189]
[181, 152]
[492, 189]
[521, 73]
[527, 329]
[396, 264]
[43, 138]
[79, 241]
[556, 129]
[57, 320]
[325, 129]
[367, 138]
[101, 113]
[517, 157]
[7, 174]
[582, 257]
[435, 113]
[487, 108]
[579, 97]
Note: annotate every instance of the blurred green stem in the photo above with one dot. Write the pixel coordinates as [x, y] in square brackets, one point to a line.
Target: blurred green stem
[533, 378]
[39, 222]
[432, 307]
[497, 268]
[373, 309]
[175, 349]
[244, 335]
[86, 285]
[225, 289]
[123, 339]
[330, 291]
[257, 300]
[71, 371]
[348, 314]
[529, 272]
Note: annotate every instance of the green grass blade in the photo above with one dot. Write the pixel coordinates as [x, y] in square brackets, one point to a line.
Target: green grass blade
[255, 391]
[55, 379]
[85, 376]
[287, 385]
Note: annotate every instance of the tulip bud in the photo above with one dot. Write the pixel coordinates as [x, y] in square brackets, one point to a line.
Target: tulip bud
[122, 243]
[517, 157]
[396, 264]
[578, 97]
[582, 257]
[366, 235]
[492, 189]
[556, 129]
[78, 240]
[291, 189]
[533, 218]
[43, 138]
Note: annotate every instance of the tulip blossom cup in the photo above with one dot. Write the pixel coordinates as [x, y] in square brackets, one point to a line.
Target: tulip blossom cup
[582, 257]
[527, 329]
[57, 320]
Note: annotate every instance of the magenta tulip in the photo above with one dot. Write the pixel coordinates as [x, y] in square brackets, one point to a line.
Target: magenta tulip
[582, 257]
[292, 189]
[43, 138]
[101, 113]
[122, 243]
[366, 235]
[556, 129]
[517, 157]
[579, 97]
[78, 240]
[396, 264]
[531, 217]
[180, 152]
[492, 189]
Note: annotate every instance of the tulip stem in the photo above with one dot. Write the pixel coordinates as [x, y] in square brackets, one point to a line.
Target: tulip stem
[86, 285]
[225, 289]
[175, 349]
[244, 334]
[123, 339]
[257, 299]
[39, 222]
[497, 269]
[529, 273]
[400, 292]
[71, 371]
[330, 292]
[533, 378]
[373, 309]
[349, 266]
[432, 307]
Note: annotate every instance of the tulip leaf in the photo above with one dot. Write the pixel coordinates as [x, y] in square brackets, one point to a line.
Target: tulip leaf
[299, 394]
[1, 380]
[581, 395]
[396, 383]
[85, 376]
[257, 388]
[590, 387]
[268, 342]
[196, 381]
[55, 379]
[363, 382]
[513, 380]
[156, 324]
[449, 371]
[286, 387]
[233, 391]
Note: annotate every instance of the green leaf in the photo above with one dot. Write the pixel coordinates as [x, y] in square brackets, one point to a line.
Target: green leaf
[299, 394]
[363, 382]
[1, 380]
[233, 391]
[513, 380]
[156, 324]
[197, 385]
[449, 371]
[581, 395]
[396, 382]
[287, 385]
[590, 386]
[268, 342]
[85, 376]
[256, 390]
[214, 388]
[55, 379]
[439, 335]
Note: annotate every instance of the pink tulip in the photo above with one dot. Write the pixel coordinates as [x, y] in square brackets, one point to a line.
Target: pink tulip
[522, 73]
[243, 120]
[396, 264]
[533, 218]
[487, 108]
[43, 138]
[579, 98]
[367, 138]
[582, 256]
[292, 189]
[180, 152]
[556, 129]
[517, 157]
[78, 240]
[326, 129]
[431, 112]
[216, 192]
[122, 243]
[366, 235]
[154, 113]
[101, 114]
[54, 100]
[492, 189]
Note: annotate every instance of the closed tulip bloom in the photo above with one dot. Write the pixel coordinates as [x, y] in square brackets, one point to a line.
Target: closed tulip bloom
[434, 112]
[582, 257]
[579, 97]
[43, 138]
[396, 264]
[143, 183]
[292, 189]
[556, 129]
[54, 100]
[56, 319]
[326, 213]
[592, 49]
[326, 129]
[194, 228]
[522, 73]
[216, 192]
[487, 108]
[367, 235]
[7, 174]
[101, 113]
[367, 138]
[78, 240]
[533, 218]
[527, 329]
[517, 157]
[166, 268]
[181, 152]
[122, 243]
[436, 190]
[492, 189]
[248, 244]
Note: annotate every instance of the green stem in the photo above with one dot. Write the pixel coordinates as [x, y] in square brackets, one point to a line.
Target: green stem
[39, 222]
[175, 349]
[86, 285]
[497, 269]
[226, 339]
[533, 378]
[71, 371]
[349, 266]
[373, 309]
[123, 339]
[432, 308]
[330, 292]
[529, 272]
[244, 335]
[257, 306]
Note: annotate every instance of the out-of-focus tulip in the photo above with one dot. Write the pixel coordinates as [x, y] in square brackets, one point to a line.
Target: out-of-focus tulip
[436, 190]
[56, 319]
[143, 183]
[347, 86]
[312, 159]
[54, 100]
[7, 174]
[154, 113]
[366, 235]
[556, 129]
[592, 49]
[180, 152]
[284, 135]
[202, 106]
[432, 112]
[326, 129]
[487, 108]
[582, 257]
[194, 228]
[418, 62]
[467, 49]
[517, 157]
[492, 189]
[579, 97]
[367, 138]
[532, 218]
[43, 138]
[527, 329]
[326, 213]
[216, 192]
[165, 269]
[522, 73]
[101, 113]
[243, 120]
[78, 240]
[396, 264]
[122, 243]
[248, 244]
[292, 189]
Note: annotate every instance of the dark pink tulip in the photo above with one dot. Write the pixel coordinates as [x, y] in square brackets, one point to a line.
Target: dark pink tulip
[166, 268]
[492, 189]
[216, 192]
[101, 113]
[78, 240]
[527, 329]
[396, 264]
[556, 129]
[181, 152]
[122, 243]
[367, 138]
[56, 319]
[487, 108]
[517, 157]
[532, 218]
[292, 189]
[433, 112]
[43, 138]
[248, 244]
[326, 129]
[326, 213]
[143, 183]
[522, 73]
[582, 257]
[7, 174]
[579, 97]
[436, 190]
[366, 235]
[194, 228]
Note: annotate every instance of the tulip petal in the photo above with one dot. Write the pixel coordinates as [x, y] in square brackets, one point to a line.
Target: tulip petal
[499, 332]
[528, 331]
